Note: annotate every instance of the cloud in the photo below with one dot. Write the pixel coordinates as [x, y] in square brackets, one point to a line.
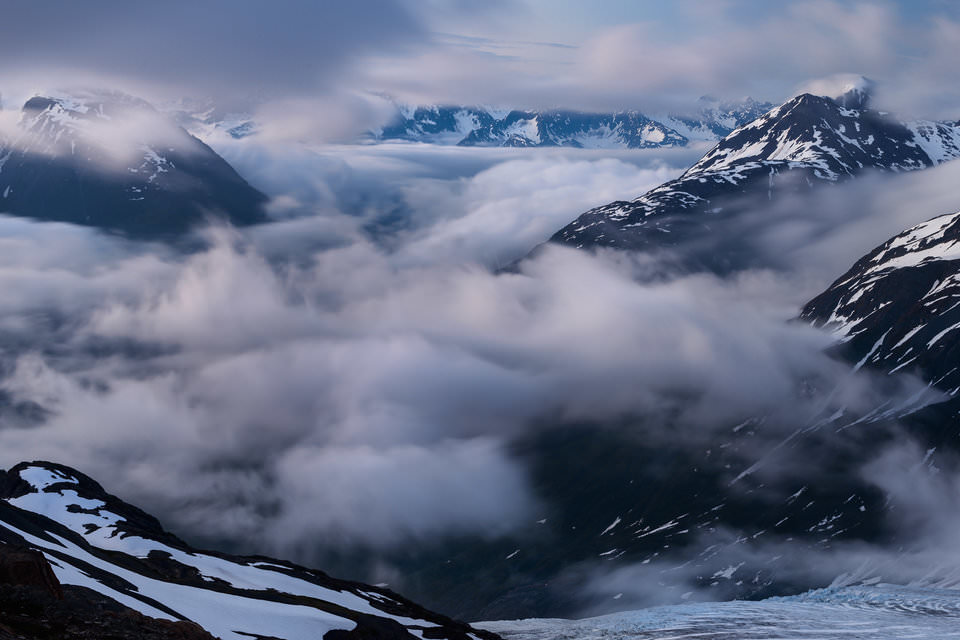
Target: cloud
[919, 548]
[220, 48]
[308, 68]
[456, 205]
[820, 236]
[309, 71]
[320, 377]
[257, 382]
[517, 205]
[335, 117]
[355, 372]
[728, 50]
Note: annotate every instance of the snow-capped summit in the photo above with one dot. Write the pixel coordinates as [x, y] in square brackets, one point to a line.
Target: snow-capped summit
[857, 93]
[898, 307]
[111, 160]
[97, 542]
[817, 133]
[849, 90]
[806, 141]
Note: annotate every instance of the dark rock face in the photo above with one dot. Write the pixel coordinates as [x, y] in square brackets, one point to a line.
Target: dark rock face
[898, 307]
[806, 142]
[113, 162]
[28, 568]
[52, 513]
[33, 605]
[12, 485]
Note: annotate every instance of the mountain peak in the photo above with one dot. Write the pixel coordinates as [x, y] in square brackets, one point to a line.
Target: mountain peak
[41, 476]
[808, 140]
[895, 308]
[86, 102]
[849, 90]
[38, 103]
[110, 160]
[817, 132]
[857, 94]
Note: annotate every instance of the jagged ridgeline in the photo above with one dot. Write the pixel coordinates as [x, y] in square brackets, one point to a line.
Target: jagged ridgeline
[898, 307]
[709, 121]
[109, 557]
[806, 142]
[112, 161]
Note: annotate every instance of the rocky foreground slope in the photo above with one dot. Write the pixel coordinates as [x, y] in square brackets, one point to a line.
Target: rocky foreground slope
[78, 562]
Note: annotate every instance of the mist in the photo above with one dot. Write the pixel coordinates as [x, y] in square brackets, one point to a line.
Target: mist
[357, 370]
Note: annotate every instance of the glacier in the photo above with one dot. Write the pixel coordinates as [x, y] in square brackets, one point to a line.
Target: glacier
[853, 612]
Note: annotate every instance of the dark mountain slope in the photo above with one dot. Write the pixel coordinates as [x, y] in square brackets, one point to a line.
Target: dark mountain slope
[898, 307]
[804, 143]
[112, 161]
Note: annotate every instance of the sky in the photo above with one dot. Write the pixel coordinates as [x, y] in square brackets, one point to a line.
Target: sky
[305, 56]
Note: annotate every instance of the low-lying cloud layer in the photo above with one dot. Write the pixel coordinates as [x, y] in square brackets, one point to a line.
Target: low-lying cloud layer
[271, 390]
[256, 383]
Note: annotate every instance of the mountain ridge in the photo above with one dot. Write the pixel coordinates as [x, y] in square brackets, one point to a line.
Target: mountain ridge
[806, 142]
[631, 129]
[112, 161]
[898, 307]
[95, 540]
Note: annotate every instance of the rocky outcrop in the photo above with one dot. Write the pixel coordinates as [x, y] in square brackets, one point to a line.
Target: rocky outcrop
[139, 572]
[28, 568]
[35, 606]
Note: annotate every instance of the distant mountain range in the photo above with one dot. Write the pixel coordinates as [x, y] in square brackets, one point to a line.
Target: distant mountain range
[488, 127]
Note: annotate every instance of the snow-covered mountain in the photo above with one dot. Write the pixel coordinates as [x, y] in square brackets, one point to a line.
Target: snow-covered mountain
[112, 161]
[94, 541]
[898, 307]
[482, 126]
[807, 141]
